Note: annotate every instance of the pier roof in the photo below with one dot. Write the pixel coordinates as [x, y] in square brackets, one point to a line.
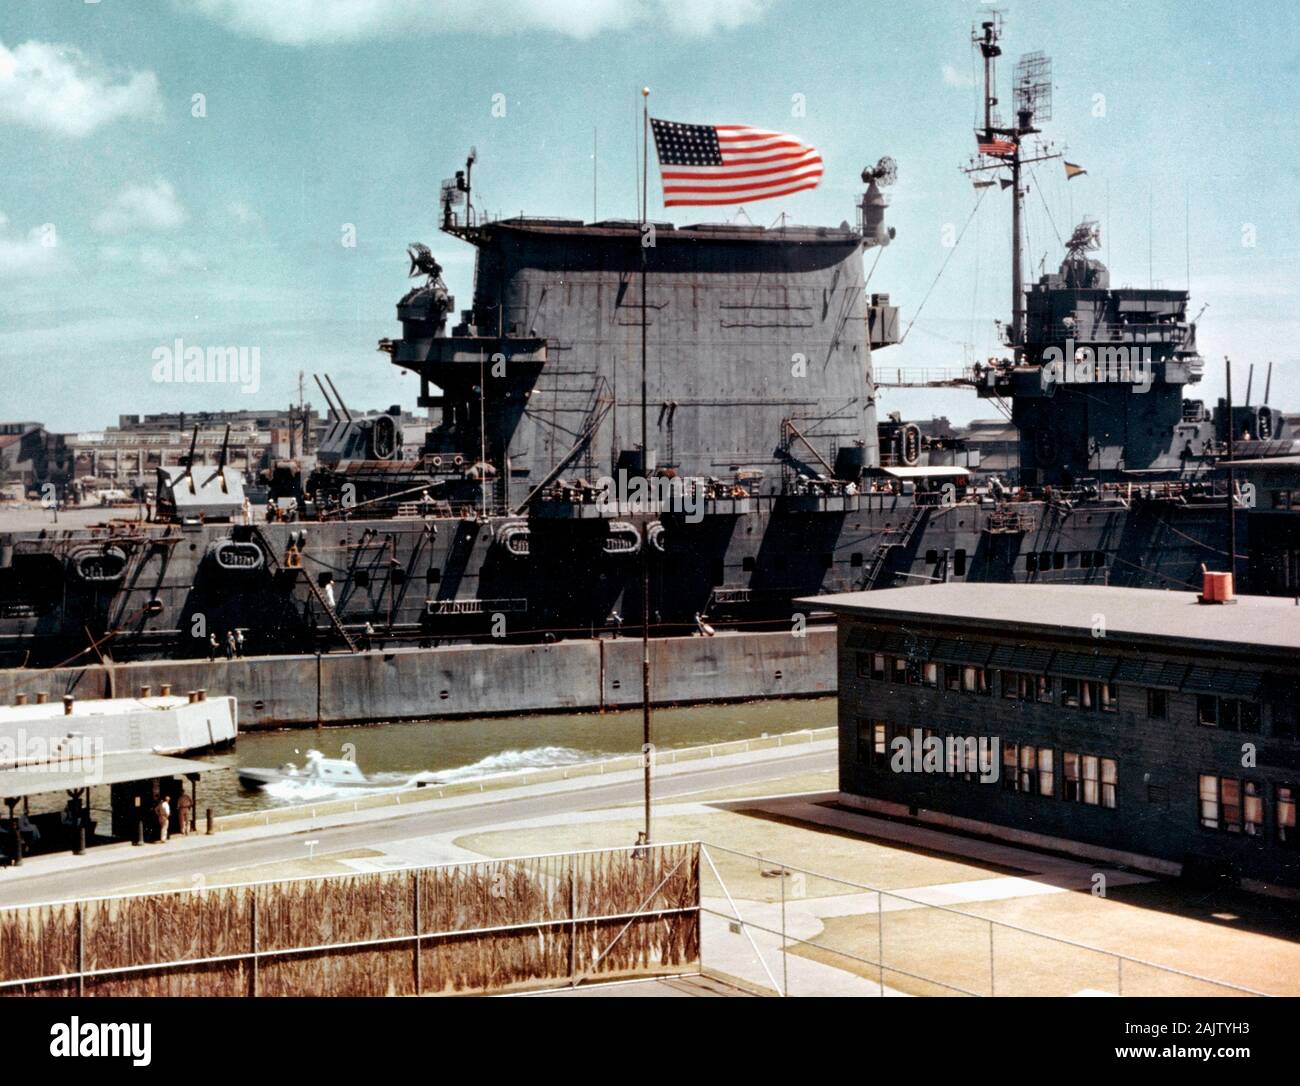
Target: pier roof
[44, 777]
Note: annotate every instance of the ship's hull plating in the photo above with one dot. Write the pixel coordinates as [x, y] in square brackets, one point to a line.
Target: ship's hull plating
[165, 591]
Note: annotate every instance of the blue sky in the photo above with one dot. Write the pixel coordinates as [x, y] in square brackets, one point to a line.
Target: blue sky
[226, 229]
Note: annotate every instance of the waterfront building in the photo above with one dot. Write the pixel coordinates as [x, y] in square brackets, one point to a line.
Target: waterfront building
[1133, 726]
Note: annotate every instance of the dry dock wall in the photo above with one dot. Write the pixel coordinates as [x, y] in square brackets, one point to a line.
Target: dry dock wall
[468, 680]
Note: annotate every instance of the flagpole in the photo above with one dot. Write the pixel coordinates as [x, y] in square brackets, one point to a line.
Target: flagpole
[646, 748]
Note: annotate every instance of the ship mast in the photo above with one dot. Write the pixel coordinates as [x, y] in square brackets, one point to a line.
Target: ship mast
[1002, 146]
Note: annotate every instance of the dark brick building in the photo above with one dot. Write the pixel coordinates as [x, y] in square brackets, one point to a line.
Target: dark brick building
[1133, 726]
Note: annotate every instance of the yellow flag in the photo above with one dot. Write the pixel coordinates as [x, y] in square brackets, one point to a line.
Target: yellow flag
[1071, 170]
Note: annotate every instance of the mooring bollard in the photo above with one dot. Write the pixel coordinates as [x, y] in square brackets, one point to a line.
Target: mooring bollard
[80, 850]
[18, 848]
[209, 817]
[139, 831]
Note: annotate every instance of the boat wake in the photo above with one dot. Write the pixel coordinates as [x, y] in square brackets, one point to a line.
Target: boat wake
[503, 763]
[517, 761]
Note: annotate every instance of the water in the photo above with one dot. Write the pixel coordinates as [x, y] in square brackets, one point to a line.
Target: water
[461, 750]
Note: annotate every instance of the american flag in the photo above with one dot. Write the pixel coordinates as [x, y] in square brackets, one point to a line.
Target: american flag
[992, 145]
[705, 164]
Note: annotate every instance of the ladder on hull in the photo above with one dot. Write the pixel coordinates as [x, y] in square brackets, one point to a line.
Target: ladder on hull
[894, 539]
[280, 567]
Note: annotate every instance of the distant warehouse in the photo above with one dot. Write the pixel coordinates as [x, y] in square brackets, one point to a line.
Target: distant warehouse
[1133, 726]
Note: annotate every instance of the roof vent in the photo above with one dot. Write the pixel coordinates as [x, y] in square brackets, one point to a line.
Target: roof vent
[1216, 587]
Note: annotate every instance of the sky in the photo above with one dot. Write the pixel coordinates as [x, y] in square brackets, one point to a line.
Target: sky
[239, 173]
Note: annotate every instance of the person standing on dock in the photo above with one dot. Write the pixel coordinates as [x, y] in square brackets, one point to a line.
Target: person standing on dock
[230, 644]
[213, 647]
[164, 812]
[185, 808]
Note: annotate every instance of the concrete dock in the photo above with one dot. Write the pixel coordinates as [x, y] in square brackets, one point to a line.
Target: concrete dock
[591, 674]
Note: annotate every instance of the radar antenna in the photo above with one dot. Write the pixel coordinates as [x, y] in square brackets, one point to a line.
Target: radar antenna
[422, 261]
[1086, 238]
[884, 173]
[1001, 146]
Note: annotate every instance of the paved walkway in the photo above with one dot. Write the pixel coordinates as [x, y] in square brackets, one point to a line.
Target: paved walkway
[420, 831]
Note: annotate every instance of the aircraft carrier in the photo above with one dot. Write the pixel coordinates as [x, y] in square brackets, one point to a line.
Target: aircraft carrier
[532, 509]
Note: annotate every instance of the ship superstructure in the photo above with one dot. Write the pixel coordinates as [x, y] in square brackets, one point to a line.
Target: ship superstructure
[531, 508]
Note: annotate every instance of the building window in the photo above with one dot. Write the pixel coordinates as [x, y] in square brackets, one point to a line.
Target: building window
[1285, 816]
[1091, 766]
[864, 665]
[1231, 805]
[1230, 714]
[1035, 770]
[913, 673]
[1253, 808]
[1207, 710]
[1109, 697]
[1071, 791]
[1010, 766]
[898, 669]
[1157, 705]
[1209, 793]
[1028, 770]
[1109, 782]
[1010, 685]
[951, 677]
[1090, 779]
[930, 675]
[975, 680]
[1046, 772]
[1075, 694]
[1045, 689]
[1080, 693]
[879, 744]
[864, 742]
[878, 666]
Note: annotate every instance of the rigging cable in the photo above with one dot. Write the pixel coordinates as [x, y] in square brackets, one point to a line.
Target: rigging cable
[943, 267]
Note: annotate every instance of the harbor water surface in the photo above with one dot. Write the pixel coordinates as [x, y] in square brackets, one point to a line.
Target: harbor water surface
[466, 749]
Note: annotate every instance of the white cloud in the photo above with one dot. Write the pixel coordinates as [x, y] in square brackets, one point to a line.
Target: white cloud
[142, 207]
[307, 22]
[154, 259]
[27, 256]
[243, 214]
[953, 78]
[58, 89]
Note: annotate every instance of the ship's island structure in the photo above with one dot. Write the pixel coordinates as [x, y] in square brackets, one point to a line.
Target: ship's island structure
[532, 510]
